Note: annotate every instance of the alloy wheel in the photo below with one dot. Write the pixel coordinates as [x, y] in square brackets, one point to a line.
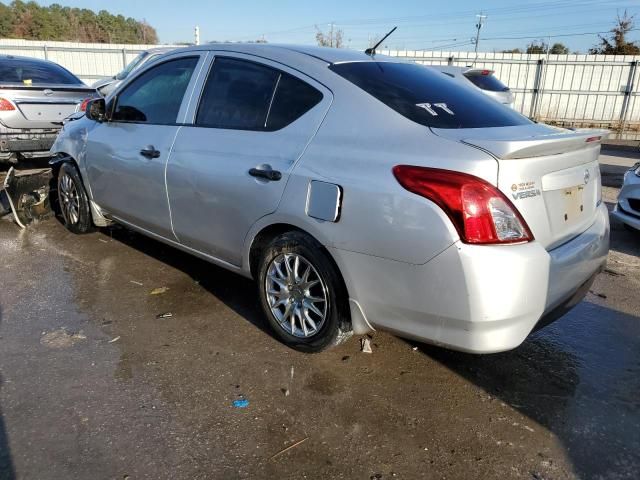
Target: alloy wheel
[69, 199]
[297, 295]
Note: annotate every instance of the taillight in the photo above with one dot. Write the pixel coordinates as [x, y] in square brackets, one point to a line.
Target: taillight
[83, 105]
[481, 213]
[6, 105]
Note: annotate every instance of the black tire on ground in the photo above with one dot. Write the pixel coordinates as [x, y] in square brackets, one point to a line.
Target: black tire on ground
[336, 324]
[73, 200]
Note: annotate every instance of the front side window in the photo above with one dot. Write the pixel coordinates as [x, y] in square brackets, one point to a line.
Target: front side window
[243, 95]
[427, 97]
[156, 95]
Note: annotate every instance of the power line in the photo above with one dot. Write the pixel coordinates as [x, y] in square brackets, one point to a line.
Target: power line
[555, 36]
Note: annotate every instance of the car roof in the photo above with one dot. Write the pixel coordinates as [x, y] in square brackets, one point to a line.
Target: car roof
[26, 59]
[326, 55]
[161, 49]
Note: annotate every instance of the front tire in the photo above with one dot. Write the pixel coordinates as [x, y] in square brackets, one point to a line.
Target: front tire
[302, 293]
[73, 200]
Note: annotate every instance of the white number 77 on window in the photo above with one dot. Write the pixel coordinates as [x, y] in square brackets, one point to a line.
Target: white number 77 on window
[430, 108]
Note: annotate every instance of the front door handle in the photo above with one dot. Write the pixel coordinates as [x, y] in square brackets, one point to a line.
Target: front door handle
[266, 172]
[150, 152]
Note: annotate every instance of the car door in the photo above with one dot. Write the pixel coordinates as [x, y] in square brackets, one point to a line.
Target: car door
[127, 154]
[253, 121]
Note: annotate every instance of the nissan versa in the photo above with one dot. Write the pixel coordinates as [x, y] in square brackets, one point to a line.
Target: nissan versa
[359, 191]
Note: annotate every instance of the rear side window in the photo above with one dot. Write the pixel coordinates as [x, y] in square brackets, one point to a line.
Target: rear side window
[243, 95]
[487, 81]
[34, 72]
[156, 95]
[427, 97]
[293, 98]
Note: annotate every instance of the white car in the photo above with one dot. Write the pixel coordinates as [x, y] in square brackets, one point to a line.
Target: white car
[482, 79]
[628, 208]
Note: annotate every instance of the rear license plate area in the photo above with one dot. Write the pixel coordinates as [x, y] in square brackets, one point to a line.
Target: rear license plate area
[573, 203]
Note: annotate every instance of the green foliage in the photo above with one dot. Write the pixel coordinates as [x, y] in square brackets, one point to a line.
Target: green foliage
[30, 21]
[559, 49]
[617, 44]
[537, 47]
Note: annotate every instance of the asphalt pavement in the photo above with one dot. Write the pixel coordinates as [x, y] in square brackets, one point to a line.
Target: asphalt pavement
[98, 381]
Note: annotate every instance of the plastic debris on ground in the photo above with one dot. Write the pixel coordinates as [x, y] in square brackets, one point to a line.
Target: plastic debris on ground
[241, 403]
[159, 291]
[365, 345]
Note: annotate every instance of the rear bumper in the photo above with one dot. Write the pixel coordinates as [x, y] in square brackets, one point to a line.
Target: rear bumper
[26, 140]
[479, 299]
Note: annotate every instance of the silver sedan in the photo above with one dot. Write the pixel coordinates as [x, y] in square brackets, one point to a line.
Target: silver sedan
[359, 191]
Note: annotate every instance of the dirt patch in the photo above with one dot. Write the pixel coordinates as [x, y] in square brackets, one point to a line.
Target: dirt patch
[61, 339]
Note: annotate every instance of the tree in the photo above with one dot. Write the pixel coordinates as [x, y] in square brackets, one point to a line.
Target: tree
[31, 21]
[559, 49]
[617, 44]
[537, 47]
[513, 50]
[331, 39]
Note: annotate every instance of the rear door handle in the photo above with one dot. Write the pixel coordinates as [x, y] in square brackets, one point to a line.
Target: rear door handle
[150, 152]
[265, 172]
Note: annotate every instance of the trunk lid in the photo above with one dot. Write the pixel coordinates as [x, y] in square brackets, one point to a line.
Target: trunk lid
[42, 106]
[551, 175]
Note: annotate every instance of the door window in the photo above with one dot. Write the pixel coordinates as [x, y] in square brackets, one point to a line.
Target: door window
[243, 95]
[155, 96]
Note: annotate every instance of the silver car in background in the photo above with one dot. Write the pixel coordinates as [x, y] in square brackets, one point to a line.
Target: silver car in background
[359, 191]
[482, 79]
[107, 85]
[35, 97]
[627, 209]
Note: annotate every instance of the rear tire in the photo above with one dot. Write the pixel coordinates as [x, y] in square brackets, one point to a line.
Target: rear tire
[73, 200]
[302, 293]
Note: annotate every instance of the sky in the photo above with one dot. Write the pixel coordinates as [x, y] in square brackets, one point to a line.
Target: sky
[422, 25]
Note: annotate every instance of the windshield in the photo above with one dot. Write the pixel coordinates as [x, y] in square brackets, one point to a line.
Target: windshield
[35, 72]
[131, 66]
[427, 97]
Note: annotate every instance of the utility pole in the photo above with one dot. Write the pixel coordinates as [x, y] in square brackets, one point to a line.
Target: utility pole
[480, 18]
[196, 34]
[331, 35]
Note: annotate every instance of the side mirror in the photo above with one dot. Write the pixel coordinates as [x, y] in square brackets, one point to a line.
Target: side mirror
[96, 110]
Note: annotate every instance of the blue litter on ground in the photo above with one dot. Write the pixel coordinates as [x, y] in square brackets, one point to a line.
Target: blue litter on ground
[241, 403]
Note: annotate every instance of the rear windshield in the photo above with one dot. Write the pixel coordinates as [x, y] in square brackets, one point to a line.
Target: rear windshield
[427, 97]
[487, 82]
[34, 72]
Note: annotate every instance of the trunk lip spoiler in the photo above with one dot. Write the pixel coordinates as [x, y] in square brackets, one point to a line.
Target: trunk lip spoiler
[539, 145]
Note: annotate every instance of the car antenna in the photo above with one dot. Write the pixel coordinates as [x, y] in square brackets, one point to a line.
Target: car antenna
[372, 50]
